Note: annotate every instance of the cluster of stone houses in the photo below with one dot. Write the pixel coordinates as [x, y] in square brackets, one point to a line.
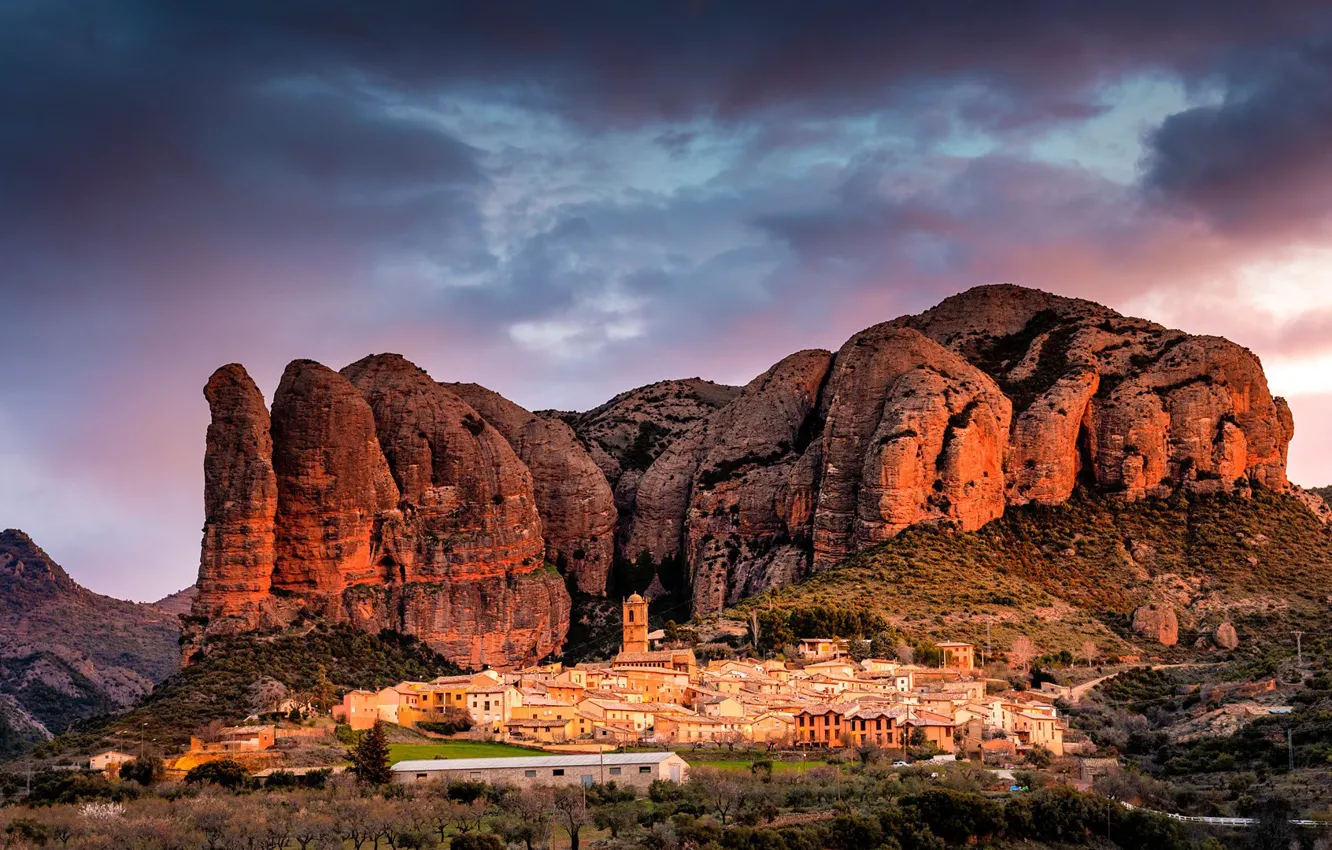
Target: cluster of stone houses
[665, 697]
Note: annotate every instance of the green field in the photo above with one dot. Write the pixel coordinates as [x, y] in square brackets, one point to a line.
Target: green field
[778, 767]
[456, 750]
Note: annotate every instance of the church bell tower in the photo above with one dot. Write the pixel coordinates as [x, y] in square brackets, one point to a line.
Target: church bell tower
[635, 624]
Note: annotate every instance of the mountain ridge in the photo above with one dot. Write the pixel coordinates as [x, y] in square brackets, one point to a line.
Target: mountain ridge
[382, 498]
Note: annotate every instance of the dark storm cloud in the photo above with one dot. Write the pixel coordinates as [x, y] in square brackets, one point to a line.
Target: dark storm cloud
[560, 199]
[1259, 158]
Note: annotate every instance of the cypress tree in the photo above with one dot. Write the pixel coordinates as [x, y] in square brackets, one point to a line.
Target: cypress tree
[370, 757]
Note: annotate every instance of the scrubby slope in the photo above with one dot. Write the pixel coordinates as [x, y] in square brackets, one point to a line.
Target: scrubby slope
[1067, 573]
[217, 685]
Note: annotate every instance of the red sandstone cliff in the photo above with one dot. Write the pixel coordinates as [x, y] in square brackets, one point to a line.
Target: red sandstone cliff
[999, 396]
[572, 495]
[394, 506]
[393, 501]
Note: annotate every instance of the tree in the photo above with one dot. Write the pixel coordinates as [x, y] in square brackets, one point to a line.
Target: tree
[370, 758]
[721, 791]
[905, 653]
[146, 771]
[226, 773]
[1089, 651]
[571, 812]
[1021, 653]
[527, 821]
[617, 817]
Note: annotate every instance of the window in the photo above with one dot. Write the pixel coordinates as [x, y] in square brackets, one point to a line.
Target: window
[487, 705]
[476, 774]
[530, 774]
[559, 771]
[614, 771]
[645, 769]
[587, 779]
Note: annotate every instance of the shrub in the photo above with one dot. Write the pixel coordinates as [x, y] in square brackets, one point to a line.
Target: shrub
[226, 773]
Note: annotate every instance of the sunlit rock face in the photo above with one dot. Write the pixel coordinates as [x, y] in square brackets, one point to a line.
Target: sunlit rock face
[380, 496]
[389, 502]
[999, 396]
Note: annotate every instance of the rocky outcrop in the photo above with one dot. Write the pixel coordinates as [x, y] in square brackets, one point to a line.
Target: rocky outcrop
[1225, 636]
[1123, 404]
[1158, 623]
[333, 486]
[404, 502]
[240, 501]
[626, 434]
[727, 493]
[914, 434]
[999, 396]
[397, 507]
[574, 499]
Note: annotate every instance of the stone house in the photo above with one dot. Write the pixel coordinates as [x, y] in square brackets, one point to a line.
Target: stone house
[638, 770]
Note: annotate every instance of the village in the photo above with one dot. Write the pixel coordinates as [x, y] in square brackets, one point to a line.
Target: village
[663, 698]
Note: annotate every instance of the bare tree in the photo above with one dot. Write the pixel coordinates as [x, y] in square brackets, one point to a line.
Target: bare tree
[723, 793]
[905, 653]
[1089, 651]
[1021, 653]
[571, 812]
[528, 819]
[315, 829]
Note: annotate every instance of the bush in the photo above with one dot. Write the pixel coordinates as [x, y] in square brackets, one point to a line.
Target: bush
[225, 773]
[145, 771]
[455, 720]
[476, 841]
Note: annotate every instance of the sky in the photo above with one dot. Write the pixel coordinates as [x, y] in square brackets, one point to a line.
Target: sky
[563, 200]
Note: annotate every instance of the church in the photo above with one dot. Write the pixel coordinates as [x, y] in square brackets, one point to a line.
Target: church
[634, 651]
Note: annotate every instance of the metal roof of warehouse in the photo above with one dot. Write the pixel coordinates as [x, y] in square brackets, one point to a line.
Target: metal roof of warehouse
[520, 762]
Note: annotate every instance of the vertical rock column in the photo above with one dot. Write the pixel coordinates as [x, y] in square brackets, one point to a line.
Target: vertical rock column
[240, 500]
[332, 482]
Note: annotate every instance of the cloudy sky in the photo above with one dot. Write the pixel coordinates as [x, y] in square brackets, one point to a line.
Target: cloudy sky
[562, 200]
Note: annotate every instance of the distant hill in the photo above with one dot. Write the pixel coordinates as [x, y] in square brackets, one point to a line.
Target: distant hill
[67, 653]
[1325, 493]
[179, 602]
[220, 683]
[1067, 573]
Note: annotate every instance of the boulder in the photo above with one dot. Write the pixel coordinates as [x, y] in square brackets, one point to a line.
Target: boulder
[1158, 623]
[1225, 637]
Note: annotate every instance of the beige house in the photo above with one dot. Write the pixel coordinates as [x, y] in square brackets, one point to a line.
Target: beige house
[108, 761]
[636, 769]
[491, 706]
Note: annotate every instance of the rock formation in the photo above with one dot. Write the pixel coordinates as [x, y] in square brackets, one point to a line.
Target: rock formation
[573, 497]
[727, 493]
[397, 507]
[1127, 405]
[402, 502]
[240, 501]
[999, 396]
[333, 486]
[1157, 622]
[1225, 636]
[914, 434]
[626, 434]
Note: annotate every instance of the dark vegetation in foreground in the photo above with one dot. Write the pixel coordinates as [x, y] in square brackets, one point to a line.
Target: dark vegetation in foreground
[856, 807]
